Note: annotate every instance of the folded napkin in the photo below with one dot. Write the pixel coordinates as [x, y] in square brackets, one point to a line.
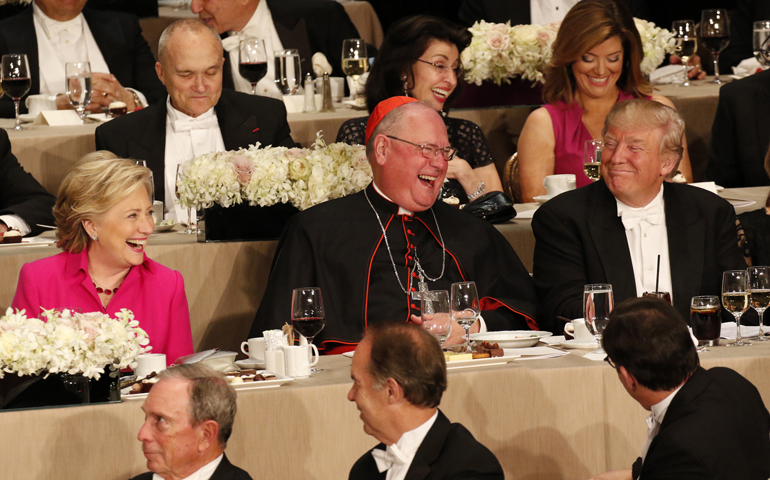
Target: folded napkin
[321, 65]
[668, 74]
[729, 331]
[749, 66]
[534, 353]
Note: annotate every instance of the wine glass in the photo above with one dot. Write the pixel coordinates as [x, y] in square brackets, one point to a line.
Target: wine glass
[735, 299]
[762, 42]
[189, 230]
[78, 86]
[436, 318]
[465, 307]
[705, 319]
[759, 292]
[592, 159]
[598, 302]
[288, 72]
[715, 35]
[307, 313]
[252, 61]
[686, 44]
[354, 62]
[16, 80]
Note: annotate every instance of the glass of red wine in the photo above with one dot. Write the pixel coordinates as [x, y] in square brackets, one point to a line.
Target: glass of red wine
[715, 35]
[252, 61]
[307, 313]
[16, 80]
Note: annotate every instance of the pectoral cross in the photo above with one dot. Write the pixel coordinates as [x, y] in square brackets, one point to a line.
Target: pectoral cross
[422, 286]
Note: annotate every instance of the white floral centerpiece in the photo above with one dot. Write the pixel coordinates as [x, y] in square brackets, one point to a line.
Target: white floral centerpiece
[69, 342]
[267, 176]
[499, 52]
[15, 2]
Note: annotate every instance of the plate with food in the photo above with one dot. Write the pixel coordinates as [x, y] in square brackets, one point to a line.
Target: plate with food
[511, 338]
[242, 380]
[484, 353]
[165, 226]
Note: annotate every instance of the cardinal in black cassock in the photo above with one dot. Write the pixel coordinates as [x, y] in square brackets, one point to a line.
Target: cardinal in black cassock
[367, 277]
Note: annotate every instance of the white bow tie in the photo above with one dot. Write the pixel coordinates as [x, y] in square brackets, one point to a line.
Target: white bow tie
[388, 457]
[234, 39]
[74, 27]
[187, 124]
[652, 215]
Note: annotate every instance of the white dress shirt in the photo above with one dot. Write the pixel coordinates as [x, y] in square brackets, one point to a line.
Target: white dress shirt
[544, 12]
[17, 223]
[406, 448]
[648, 238]
[260, 26]
[657, 413]
[203, 473]
[186, 138]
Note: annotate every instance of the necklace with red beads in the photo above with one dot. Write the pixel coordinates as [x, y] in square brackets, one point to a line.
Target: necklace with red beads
[105, 291]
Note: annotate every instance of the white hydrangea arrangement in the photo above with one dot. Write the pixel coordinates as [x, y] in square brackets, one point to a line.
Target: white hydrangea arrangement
[267, 176]
[499, 52]
[69, 342]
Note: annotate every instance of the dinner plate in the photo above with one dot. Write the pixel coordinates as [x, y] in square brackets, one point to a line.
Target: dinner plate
[481, 362]
[511, 338]
[248, 364]
[276, 382]
[31, 242]
[165, 228]
[541, 199]
[579, 345]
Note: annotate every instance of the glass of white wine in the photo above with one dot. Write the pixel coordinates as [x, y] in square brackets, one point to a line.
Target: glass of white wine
[759, 294]
[355, 63]
[735, 299]
[686, 44]
[592, 159]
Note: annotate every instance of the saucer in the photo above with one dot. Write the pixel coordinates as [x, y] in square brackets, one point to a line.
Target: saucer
[541, 199]
[579, 345]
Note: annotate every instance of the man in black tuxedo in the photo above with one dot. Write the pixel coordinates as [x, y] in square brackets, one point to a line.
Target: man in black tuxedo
[613, 231]
[119, 46]
[704, 424]
[198, 117]
[309, 26]
[740, 135]
[24, 203]
[189, 417]
[399, 376]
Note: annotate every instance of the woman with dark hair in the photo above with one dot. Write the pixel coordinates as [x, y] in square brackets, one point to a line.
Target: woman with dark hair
[420, 58]
[596, 64]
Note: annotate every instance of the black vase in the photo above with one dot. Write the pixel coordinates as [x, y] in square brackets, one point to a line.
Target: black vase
[243, 222]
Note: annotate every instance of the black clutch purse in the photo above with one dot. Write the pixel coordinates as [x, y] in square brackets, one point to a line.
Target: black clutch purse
[494, 207]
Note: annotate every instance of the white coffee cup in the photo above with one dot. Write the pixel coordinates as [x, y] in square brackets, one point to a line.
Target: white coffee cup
[556, 184]
[298, 360]
[274, 361]
[579, 331]
[337, 84]
[41, 102]
[150, 362]
[157, 211]
[255, 349]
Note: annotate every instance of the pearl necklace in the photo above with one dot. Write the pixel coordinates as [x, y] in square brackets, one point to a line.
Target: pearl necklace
[423, 286]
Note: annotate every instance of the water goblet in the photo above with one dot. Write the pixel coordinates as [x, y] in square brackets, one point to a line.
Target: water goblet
[435, 314]
[79, 86]
[288, 72]
[598, 302]
[761, 41]
[735, 299]
[466, 308]
[189, 229]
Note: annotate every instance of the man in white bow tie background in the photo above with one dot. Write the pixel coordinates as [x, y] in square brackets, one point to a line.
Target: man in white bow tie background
[55, 32]
[399, 376]
[198, 117]
[614, 230]
[309, 26]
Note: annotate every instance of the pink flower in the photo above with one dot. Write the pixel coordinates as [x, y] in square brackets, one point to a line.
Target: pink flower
[496, 40]
[295, 152]
[500, 27]
[243, 167]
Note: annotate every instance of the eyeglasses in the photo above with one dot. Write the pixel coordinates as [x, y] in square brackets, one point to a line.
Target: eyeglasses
[609, 360]
[457, 69]
[430, 151]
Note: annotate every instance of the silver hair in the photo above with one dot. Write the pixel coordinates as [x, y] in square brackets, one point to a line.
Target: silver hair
[190, 25]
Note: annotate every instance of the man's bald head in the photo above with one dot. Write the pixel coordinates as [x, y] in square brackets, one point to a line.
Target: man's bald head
[193, 26]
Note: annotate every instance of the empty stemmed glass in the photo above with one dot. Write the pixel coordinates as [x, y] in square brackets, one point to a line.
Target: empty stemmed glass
[435, 314]
[16, 80]
[735, 299]
[78, 86]
[189, 230]
[759, 293]
[252, 61]
[715, 35]
[686, 44]
[307, 313]
[592, 159]
[598, 302]
[466, 308]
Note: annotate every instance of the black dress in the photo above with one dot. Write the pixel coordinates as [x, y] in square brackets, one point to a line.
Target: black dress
[464, 135]
[754, 236]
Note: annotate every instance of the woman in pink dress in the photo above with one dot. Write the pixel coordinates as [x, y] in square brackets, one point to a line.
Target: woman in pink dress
[104, 217]
[596, 64]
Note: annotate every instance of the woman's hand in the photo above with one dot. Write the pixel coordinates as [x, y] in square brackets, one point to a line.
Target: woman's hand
[459, 170]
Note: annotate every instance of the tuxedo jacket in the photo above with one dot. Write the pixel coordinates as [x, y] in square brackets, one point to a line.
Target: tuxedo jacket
[243, 120]
[225, 471]
[20, 193]
[716, 428]
[448, 451]
[118, 36]
[309, 26]
[740, 135]
[579, 239]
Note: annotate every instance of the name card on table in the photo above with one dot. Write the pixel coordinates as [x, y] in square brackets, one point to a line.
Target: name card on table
[58, 118]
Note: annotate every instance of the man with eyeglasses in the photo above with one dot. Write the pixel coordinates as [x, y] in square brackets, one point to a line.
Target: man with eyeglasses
[371, 253]
[703, 424]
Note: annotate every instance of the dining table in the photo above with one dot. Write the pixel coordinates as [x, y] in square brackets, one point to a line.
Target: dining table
[564, 418]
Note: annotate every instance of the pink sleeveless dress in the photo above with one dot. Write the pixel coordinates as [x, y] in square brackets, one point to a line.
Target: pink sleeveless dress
[570, 136]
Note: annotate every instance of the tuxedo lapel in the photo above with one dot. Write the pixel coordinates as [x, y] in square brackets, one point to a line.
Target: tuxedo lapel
[609, 236]
[108, 34]
[227, 72]
[238, 130]
[430, 449]
[151, 147]
[685, 247]
[762, 122]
